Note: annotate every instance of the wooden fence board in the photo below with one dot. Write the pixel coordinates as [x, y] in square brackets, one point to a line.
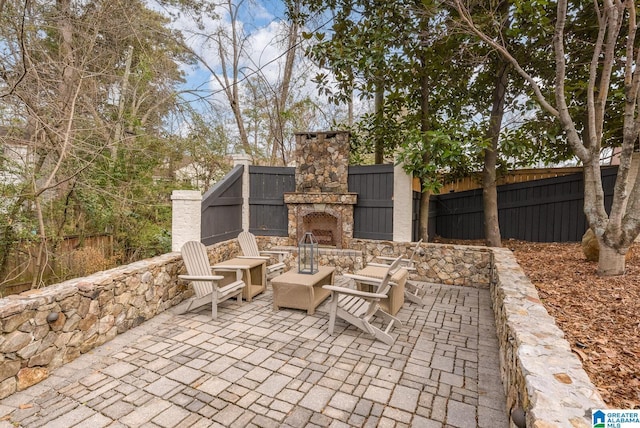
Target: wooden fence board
[222, 209]
[373, 213]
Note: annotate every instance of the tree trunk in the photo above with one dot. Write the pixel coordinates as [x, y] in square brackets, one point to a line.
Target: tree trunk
[424, 127]
[379, 109]
[118, 132]
[283, 96]
[424, 216]
[489, 187]
[610, 261]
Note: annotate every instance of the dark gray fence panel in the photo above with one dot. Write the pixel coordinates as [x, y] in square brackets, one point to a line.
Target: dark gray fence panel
[222, 209]
[547, 210]
[373, 213]
[457, 215]
[268, 214]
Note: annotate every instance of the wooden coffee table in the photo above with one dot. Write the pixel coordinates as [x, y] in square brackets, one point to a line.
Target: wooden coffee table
[301, 291]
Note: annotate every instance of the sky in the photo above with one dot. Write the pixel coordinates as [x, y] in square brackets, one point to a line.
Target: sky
[264, 24]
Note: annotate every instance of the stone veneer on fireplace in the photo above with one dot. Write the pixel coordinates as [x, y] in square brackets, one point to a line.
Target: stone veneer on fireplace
[322, 203]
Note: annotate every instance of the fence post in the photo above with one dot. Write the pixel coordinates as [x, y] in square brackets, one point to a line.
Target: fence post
[244, 160]
[186, 217]
[402, 205]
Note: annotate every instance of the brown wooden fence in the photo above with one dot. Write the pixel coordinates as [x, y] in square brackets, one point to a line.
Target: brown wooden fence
[74, 256]
[518, 176]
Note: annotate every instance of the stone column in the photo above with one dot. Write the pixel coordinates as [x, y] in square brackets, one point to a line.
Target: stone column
[402, 205]
[244, 160]
[186, 217]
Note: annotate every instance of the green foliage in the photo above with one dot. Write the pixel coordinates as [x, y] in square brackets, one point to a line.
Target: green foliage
[405, 46]
[104, 172]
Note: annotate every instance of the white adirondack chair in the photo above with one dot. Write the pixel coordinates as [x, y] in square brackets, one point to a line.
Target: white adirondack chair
[249, 247]
[361, 308]
[408, 263]
[205, 284]
[412, 292]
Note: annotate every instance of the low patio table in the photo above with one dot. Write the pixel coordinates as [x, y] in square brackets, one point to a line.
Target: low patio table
[254, 274]
[302, 291]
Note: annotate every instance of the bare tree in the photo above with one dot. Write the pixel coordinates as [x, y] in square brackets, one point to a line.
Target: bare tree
[58, 61]
[226, 53]
[615, 60]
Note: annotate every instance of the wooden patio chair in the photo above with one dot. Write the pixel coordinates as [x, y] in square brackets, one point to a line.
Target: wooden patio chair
[408, 263]
[361, 308]
[396, 296]
[205, 284]
[412, 292]
[249, 247]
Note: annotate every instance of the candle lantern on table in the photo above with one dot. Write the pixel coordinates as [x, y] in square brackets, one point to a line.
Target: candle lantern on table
[308, 254]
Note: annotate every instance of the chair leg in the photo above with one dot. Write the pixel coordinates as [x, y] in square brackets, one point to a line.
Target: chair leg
[413, 293]
[214, 305]
[390, 319]
[333, 309]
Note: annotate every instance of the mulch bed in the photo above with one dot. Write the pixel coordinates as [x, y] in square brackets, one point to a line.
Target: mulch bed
[600, 316]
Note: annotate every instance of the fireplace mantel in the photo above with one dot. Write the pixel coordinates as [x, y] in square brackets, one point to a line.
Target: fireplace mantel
[321, 198]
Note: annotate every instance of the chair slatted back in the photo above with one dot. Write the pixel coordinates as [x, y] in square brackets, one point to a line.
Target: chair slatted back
[416, 249]
[196, 261]
[248, 244]
[384, 286]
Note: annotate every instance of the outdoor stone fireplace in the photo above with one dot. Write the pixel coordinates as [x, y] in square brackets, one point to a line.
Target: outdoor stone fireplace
[322, 203]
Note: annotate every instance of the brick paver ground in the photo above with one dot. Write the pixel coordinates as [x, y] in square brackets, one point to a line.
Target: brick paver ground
[255, 367]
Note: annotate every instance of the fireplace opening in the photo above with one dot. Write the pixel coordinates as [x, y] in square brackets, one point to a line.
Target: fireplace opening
[324, 227]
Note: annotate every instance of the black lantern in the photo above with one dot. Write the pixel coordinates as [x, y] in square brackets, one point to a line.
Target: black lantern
[308, 254]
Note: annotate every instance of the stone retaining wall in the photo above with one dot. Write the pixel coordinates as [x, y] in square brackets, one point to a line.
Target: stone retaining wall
[540, 373]
[46, 328]
[439, 263]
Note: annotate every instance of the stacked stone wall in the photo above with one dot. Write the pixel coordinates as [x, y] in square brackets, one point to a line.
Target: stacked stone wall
[345, 261]
[45, 328]
[540, 374]
[468, 266]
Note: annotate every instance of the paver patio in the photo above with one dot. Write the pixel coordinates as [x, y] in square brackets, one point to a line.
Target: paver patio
[257, 367]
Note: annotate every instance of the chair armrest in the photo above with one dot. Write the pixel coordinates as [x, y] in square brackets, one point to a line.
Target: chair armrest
[353, 292]
[378, 264]
[281, 254]
[254, 257]
[229, 268]
[201, 277]
[385, 258]
[276, 252]
[362, 278]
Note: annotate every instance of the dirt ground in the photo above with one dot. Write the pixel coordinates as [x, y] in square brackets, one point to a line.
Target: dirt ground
[600, 316]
